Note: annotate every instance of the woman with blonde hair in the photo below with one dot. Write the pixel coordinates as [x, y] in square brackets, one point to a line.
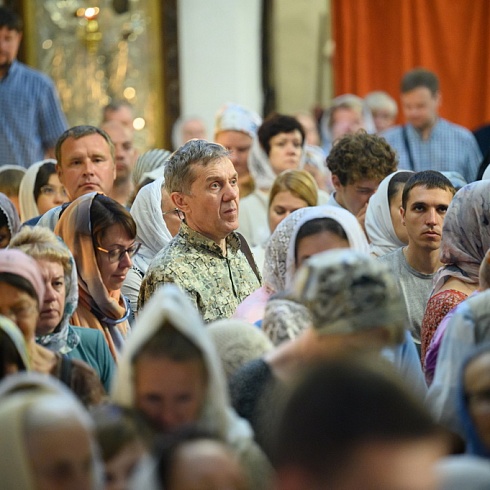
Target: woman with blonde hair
[53, 329]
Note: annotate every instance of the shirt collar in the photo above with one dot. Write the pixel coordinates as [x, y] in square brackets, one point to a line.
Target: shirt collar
[197, 239]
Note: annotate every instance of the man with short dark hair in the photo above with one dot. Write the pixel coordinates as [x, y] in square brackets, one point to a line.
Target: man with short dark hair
[31, 117]
[427, 141]
[426, 197]
[204, 258]
[85, 163]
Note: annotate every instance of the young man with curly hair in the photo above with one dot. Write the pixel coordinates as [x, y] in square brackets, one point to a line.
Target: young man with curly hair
[359, 162]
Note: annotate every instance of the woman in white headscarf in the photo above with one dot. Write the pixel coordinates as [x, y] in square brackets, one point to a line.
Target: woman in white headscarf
[157, 221]
[383, 220]
[40, 190]
[170, 312]
[47, 437]
[280, 264]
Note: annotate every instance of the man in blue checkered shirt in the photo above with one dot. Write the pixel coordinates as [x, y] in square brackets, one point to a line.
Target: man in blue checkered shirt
[428, 142]
[31, 118]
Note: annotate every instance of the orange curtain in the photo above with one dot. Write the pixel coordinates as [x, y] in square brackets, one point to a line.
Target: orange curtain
[379, 40]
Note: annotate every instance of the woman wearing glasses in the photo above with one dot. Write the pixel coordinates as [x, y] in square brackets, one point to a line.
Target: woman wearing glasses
[101, 236]
[158, 220]
[40, 190]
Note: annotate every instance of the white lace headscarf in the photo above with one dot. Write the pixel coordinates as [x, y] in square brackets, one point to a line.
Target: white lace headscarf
[348, 222]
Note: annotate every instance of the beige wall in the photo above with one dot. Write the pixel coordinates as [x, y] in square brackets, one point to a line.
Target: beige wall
[301, 62]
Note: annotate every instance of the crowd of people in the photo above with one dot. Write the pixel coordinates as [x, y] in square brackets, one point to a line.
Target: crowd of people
[293, 303]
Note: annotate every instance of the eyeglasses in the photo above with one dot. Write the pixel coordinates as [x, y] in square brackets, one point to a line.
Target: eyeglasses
[180, 214]
[51, 190]
[117, 254]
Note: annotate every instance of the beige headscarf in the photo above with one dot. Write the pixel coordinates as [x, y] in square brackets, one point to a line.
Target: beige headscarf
[96, 307]
[169, 304]
[21, 394]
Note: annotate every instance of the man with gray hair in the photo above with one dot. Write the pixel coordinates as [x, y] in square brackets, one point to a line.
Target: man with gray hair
[204, 258]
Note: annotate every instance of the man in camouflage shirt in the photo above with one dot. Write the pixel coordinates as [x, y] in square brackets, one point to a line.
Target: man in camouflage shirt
[204, 258]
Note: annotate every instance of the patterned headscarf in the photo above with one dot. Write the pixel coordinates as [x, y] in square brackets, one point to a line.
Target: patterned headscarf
[274, 275]
[234, 117]
[64, 339]
[347, 291]
[152, 230]
[465, 234]
[97, 308]
[355, 234]
[284, 319]
[8, 209]
[147, 163]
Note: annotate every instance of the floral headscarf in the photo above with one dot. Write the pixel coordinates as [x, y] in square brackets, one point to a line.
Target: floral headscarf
[8, 209]
[64, 339]
[465, 234]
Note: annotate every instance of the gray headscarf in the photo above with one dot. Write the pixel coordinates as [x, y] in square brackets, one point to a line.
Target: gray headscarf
[347, 291]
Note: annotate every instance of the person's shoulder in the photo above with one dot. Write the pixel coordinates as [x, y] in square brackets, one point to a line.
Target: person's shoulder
[30, 73]
[88, 334]
[456, 129]
[390, 257]
[393, 132]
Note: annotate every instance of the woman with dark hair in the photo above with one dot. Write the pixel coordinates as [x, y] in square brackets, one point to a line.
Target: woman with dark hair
[101, 236]
[40, 190]
[278, 146]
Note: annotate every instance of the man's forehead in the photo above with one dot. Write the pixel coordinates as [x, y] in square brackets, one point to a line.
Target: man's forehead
[77, 144]
[422, 193]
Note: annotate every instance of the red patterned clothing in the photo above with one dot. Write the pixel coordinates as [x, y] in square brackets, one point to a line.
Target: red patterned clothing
[437, 308]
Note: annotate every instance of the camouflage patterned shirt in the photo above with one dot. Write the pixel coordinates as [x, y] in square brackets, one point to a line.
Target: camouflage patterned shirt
[216, 283]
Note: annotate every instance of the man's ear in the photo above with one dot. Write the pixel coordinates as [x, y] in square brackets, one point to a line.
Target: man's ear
[402, 214]
[336, 182]
[180, 200]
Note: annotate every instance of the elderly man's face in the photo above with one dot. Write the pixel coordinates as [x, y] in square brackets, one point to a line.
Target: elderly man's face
[211, 207]
[86, 165]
